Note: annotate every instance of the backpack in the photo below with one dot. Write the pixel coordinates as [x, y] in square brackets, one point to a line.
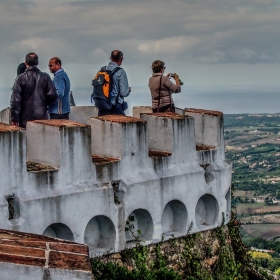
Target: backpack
[102, 84]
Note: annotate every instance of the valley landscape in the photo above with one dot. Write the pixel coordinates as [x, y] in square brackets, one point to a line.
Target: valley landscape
[253, 145]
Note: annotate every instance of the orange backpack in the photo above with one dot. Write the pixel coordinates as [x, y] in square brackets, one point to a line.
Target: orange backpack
[102, 84]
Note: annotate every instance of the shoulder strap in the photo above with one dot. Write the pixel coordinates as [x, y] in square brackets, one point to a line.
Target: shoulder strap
[159, 93]
[115, 70]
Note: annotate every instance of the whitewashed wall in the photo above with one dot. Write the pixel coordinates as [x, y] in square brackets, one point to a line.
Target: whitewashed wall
[95, 176]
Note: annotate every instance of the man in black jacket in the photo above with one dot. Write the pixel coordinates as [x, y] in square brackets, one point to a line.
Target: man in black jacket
[32, 92]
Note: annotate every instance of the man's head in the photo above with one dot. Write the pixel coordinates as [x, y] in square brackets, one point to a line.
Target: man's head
[54, 64]
[31, 59]
[157, 66]
[21, 68]
[117, 56]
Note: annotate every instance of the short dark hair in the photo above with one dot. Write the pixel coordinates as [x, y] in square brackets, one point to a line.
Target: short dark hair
[116, 55]
[21, 68]
[157, 66]
[56, 60]
[31, 59]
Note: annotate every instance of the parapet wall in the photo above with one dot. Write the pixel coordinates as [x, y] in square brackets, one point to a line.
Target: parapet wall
[82, 182]
[30, 256]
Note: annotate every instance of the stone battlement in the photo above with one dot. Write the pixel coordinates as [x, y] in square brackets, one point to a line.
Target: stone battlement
[81, 181]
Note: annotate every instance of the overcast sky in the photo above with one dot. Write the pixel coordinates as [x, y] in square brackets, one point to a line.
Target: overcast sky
[207, 42]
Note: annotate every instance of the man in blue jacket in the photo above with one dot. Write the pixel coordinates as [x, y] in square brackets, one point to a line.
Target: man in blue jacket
[61, 108]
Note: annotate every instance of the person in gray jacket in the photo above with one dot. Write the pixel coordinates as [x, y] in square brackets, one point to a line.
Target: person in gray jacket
[162, 88]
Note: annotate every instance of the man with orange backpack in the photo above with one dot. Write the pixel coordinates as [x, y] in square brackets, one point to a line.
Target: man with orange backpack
[110, 86]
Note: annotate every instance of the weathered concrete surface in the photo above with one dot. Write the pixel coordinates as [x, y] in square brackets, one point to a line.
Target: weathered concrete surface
[83, 113]
[29, 256]
[87, 180]
[138, 110]
[5, 116]
[78, 113]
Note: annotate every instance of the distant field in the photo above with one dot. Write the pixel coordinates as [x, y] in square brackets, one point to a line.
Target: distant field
[261, 219]
[253, 146]
[265, 209]
[243, 207]
[262, 230]
[256, 208]
[249, 194]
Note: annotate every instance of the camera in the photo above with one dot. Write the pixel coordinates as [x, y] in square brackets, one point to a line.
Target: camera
[172, 76]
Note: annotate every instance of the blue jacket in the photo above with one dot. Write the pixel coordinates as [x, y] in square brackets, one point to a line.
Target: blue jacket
[62, 85]
[120, 88]
[120, 83]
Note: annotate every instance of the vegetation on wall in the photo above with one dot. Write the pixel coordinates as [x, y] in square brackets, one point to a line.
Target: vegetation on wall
[218, 254]
[191, 257]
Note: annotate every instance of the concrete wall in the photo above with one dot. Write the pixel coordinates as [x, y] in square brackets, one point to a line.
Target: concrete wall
[83, 182]
[78, 113]
[83, 113]
[23, 272]
[5, 116]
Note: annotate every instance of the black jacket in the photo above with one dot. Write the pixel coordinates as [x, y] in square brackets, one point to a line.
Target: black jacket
[32, 92]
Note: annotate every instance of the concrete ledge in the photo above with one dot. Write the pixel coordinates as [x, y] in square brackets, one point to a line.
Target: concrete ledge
[209, 129]
[83, 113]
[5, 116]
[8, 128]
[138, 110]
[45, 140]
[113, 136]
[171, 133]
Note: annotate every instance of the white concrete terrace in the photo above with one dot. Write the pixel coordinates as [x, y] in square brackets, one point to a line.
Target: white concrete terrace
[82, 182]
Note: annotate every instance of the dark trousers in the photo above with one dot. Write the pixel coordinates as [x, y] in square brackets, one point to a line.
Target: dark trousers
[59, 116]
[117, 110]
[164, 108]
[105, 109]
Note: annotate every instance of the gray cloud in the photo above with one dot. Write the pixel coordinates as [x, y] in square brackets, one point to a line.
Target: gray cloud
[194, 32]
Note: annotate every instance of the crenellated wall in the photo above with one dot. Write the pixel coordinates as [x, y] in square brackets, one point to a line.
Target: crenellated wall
[82, 182]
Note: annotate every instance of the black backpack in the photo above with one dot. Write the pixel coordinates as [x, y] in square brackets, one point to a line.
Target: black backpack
[102, 84]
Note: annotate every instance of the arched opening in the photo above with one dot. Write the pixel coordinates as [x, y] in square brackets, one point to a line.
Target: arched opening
[206, 211]
[59, 231]
[100, 234]
[139, 225]
[174, 218]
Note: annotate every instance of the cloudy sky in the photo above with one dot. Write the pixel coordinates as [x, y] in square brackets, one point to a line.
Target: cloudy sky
[207, 42]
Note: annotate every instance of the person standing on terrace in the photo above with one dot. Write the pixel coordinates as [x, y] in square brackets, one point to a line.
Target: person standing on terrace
[162, 88]
[120, 88]
[33, 92]
[61, 108]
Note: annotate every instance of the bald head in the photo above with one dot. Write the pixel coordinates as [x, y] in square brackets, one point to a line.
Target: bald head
[31, 59]
[54, 64]
[117, 56]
